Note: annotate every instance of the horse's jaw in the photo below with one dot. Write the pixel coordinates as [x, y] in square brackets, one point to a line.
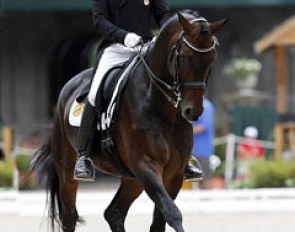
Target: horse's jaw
[189, 120]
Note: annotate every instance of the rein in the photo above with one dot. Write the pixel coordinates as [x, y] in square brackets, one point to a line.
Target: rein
[158, 82]
[177, 84]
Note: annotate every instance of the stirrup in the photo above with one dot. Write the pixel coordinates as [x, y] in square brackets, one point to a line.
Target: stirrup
[84, 170]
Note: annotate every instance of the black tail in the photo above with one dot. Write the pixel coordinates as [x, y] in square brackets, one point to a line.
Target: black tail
[42, 163]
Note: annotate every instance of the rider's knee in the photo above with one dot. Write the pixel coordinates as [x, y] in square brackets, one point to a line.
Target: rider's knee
[91, 99]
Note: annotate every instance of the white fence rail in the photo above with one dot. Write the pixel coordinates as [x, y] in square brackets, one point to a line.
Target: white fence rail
[229, 141]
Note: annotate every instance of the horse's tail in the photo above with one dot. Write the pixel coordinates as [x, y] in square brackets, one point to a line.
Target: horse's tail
[42, 163]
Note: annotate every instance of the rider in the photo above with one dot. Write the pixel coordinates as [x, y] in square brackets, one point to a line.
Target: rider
[123, 22]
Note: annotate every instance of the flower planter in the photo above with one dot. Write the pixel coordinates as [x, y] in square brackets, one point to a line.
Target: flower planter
[249, 82]
[217, 182]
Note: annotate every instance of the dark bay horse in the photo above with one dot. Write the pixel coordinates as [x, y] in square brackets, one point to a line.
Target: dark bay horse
[153, 132]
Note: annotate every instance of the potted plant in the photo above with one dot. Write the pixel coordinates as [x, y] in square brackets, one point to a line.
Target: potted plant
[244, 71]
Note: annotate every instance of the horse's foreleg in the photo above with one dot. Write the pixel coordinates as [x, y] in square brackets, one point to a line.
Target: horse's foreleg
[172, 186]
[116, 212]
[149, 174]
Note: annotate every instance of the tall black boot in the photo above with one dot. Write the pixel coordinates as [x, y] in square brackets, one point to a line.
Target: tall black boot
[193, 171]
[84, 170]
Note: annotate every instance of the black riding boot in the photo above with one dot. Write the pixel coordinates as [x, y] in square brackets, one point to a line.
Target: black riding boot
[84, 170]
[193, 171]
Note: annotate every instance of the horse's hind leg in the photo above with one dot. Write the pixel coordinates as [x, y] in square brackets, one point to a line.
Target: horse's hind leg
[116, 212]
[173, 186]
[68, 188]
[68, 212]
[64, 160]
[149, 174]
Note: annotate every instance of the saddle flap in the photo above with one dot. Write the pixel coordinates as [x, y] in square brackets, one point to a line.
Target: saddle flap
[109, 83]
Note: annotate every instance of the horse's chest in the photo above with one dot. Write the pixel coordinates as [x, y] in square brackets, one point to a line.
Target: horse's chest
[182, 139]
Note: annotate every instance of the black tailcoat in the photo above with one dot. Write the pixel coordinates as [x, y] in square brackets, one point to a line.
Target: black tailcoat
[113, 19]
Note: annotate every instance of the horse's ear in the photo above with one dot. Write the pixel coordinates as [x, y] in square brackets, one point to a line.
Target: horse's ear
[187, 27]
[217, 25]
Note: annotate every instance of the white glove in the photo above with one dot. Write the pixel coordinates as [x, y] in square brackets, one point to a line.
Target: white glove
[131, 40]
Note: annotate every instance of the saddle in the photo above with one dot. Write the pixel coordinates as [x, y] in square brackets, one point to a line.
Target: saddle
[108, 95]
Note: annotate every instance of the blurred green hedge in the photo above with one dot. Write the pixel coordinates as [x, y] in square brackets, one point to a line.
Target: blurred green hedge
[22, 162]
[272, 174]
[27, 179]
[6, 174]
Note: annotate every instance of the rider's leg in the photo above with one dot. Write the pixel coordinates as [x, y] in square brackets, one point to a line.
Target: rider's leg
[193, 171]
[110, 56]
[84, 169]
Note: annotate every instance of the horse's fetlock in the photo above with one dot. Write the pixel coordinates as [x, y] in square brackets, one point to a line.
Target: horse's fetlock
[112, 215]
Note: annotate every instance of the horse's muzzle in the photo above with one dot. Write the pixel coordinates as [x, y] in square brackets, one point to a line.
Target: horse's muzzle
[191, 114]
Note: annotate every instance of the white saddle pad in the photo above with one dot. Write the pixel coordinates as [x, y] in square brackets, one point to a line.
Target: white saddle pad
[76, 113]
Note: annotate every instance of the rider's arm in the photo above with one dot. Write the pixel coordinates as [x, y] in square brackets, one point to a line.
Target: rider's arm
[102, 24]
[161, 11]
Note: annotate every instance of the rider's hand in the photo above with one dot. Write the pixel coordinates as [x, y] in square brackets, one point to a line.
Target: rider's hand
[131, 40]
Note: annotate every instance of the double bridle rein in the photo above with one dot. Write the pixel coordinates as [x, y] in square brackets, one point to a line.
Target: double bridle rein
[177, 84]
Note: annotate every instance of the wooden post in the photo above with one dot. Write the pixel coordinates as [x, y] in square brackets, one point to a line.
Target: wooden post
[280, 57]
[292, 141]
[279, 139]
[284, 134]
[8, 142]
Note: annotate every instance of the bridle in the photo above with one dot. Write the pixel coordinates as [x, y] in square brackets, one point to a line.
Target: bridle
[177, 85]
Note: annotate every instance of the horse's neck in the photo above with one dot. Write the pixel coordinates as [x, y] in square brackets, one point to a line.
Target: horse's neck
[157, 61]
[158, 56]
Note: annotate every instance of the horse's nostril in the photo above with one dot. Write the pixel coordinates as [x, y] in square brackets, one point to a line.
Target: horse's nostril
[188, 111]
[191, 114]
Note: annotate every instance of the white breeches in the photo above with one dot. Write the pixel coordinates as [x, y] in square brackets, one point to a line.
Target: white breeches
[112, 56]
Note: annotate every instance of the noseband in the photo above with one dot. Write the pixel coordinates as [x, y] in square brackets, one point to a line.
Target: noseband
[177, 84]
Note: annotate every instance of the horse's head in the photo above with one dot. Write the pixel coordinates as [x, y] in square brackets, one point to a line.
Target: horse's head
[192, 55]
